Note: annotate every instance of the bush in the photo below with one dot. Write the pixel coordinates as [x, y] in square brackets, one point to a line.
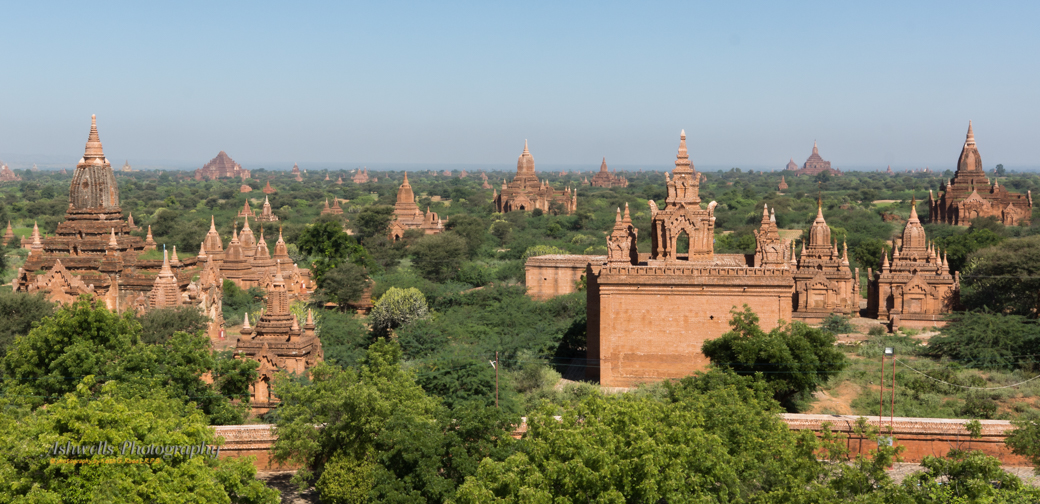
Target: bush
[988, 340]
[158, 326]
[795, 359]
[396, 308]
[837, 324]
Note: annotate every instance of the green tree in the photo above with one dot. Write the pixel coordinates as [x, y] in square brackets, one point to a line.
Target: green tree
[1004, 278]
[471, 228]
[353, 405]
[373, 221]
[344, 284]
[158, 326]
[20, 311]
[794, 358]
[86, 340]
[438, 257]
[331, 246]
[988, 340]
[397, 307]
[633, 448]
[539, 250]
[87, 416]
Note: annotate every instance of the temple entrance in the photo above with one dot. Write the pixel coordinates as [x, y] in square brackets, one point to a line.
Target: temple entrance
[682, 244]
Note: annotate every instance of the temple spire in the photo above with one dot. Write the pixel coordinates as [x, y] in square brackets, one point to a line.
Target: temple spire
[93, 148]
[682, 158]
[970, 139]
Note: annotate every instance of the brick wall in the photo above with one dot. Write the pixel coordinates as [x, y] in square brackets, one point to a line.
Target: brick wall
[919, 436]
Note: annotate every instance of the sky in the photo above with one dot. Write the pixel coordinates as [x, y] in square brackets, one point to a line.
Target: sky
[397, 84]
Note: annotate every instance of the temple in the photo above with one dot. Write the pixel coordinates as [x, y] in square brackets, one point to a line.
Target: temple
[525, 192]
[605, 179]
[649, 314]
[278, 342]
[824, 283]
[296, 173]
[267, 188]
[408, 216]
[970, 195]
[335, 209]
[782, 186]
[93, 253]
[126, 166]
[266, 215]
[360, 177]
[221, 166]
[814, 165]
[6, 175]
[916, 285]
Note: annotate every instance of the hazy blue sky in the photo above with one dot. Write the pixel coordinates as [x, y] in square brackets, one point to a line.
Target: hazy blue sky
[753, 83]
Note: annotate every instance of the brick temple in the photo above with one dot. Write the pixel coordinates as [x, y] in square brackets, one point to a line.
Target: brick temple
[94, 254]
[649, 313]
[408, 216]
[814, 165]
[916, 285]
[605, 179]
[970, 195]
[525, 192]
[221, 166]
[824, 283]
[278, 342]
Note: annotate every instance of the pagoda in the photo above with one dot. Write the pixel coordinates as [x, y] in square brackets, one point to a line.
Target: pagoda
[916, 285]
[408, 216]
[649, 314]
[970, 195]
[278, 343]
[605, 179]
[824, 283]
[266, 215]
[814, 165]
[6, 175]
[268, 189]
[296, 173]
[525, 192]
[221, 166]
[93, 252]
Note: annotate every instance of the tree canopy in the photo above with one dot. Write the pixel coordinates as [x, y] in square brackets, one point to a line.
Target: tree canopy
[794, 358]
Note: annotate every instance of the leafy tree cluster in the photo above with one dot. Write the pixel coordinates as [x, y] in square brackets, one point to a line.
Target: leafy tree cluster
[794, 358]
[82, 339]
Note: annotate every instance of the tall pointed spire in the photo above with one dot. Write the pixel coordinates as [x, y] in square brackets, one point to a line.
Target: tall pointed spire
[93, 148]
[970, 138]
[682, 158]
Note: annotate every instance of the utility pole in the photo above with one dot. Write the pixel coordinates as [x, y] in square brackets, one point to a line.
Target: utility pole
[494, 364]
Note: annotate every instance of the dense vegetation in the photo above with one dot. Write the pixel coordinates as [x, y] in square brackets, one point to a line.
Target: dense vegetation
[408, 393]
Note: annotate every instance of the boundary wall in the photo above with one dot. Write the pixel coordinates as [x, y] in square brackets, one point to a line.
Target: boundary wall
[919, 436]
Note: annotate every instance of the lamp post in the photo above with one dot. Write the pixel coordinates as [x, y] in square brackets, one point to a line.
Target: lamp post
[494, 364]
[889, 352]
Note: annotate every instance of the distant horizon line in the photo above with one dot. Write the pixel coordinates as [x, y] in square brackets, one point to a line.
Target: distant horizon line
[478, 167]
